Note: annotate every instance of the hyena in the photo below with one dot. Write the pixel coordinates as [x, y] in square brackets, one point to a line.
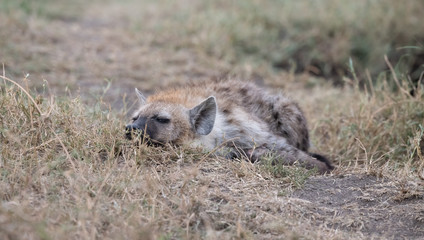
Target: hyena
[228, 114]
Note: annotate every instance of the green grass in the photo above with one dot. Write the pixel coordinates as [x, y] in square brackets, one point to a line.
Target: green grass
[313, 36]
[48, 9]
[317, 37]
[294, 176]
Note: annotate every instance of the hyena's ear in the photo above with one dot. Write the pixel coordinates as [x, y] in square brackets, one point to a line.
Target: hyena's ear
[202, 117]
[140, 96]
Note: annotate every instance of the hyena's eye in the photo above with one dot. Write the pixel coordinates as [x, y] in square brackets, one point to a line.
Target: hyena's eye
[134, 119]
[162, 120]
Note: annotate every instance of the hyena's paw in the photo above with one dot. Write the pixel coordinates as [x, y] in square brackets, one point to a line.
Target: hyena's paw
[251, 154]
[320, 166]
[308, 162]
[323, 159]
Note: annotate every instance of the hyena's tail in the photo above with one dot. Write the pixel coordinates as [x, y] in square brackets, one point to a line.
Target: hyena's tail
[322, 159]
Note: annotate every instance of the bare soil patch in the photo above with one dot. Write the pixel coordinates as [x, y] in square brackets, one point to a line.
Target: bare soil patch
[365, 205]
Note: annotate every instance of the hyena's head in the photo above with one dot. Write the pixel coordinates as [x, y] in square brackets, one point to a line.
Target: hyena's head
[165, 122]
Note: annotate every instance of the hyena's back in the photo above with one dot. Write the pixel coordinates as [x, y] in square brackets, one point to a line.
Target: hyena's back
[282, 116]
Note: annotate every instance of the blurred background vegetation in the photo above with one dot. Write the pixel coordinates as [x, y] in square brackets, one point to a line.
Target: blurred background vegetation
[326, 39]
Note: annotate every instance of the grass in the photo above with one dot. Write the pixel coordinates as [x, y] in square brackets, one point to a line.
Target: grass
[303, 36]
[306, 36]
[67, 171]
[378, 128]
[294, 176]
[47, 9]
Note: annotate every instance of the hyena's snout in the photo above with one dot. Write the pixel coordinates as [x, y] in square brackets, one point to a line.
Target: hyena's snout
[141, 129]
[138, 128]
[133, 130]
[142, 133]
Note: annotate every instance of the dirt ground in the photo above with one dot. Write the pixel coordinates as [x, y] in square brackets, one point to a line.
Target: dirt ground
[82, 54]
[371, 207]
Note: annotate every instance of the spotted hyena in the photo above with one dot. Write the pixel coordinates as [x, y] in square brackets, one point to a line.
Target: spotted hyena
[229, 114]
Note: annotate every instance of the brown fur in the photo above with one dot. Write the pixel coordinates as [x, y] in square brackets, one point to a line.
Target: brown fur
[257, 120]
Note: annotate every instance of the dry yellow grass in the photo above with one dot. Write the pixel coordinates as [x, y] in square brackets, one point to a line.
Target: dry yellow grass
[68, 173]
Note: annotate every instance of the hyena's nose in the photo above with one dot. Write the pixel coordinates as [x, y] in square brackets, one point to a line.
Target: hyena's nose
[130, 129]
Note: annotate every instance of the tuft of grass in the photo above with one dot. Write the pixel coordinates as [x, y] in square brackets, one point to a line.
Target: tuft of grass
[294, 176]
[378, 128]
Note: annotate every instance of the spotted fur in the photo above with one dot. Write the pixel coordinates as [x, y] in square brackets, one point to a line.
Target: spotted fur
[239, 115]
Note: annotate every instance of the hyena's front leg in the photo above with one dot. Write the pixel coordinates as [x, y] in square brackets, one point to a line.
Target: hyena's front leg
[289, 155]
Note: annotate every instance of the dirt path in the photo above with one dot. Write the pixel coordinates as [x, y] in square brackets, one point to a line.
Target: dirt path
[365, 206]
[82, 54]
